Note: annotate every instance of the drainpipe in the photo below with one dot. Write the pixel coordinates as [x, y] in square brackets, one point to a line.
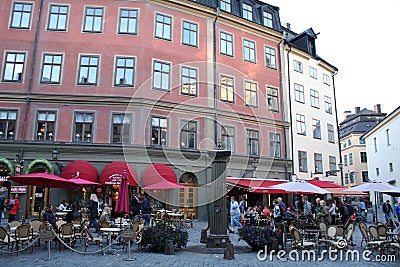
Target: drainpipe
[290, 108]
[282, 106]
[31, 71]
[215, 79]
[337, 128]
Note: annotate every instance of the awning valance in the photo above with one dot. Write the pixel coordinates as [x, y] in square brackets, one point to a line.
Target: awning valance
[157, 173]
[341, 192]
[112, 173]
[324, 184]
[256, 185]
[80, 169]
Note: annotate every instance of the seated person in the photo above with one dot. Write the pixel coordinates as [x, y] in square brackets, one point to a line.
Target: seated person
[73, 214]
[250, 213]
[105, 215]
[290, 216]
[266, 212]
[63, 205]
[49, 216]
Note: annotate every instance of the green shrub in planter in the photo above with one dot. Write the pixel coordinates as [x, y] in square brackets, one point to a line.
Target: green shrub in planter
[155, 237]
[257, 237]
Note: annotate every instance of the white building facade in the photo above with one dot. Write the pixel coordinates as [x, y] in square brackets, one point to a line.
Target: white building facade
[312, 106]
[383, 149]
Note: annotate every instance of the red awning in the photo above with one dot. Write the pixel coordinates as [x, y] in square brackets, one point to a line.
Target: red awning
[157, 173]
[112, 173]
[80, 169]
[256, 185]
[324, 184]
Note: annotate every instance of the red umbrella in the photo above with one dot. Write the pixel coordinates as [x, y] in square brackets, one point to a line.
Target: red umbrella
[80, 181]
[44, 179]
[122, 205]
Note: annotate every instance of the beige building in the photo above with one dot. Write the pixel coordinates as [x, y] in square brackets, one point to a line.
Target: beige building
[353, 148]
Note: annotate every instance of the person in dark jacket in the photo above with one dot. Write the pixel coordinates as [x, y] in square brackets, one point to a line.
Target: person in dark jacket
[146, 209]
[48, 215]
[73, 214]
[134, 205]
[94, 211]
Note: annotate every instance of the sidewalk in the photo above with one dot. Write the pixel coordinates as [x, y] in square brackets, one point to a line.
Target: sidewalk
[194, 255]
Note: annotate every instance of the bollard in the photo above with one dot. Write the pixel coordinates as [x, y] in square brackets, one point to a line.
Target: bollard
[203, 236]
[229, 253]
[169, 248]
[275, 244]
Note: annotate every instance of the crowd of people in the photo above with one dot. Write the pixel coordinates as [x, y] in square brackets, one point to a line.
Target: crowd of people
[318, 211]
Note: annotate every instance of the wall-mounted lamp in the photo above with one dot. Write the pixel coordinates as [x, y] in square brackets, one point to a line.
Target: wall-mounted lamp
[54, 154]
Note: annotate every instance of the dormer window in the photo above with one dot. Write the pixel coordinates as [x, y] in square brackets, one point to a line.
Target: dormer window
[247, 12]
[267, 19]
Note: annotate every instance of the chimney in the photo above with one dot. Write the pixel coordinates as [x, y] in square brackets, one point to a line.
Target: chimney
[287, 25]
[357, 110]
[346, 113]
[377, 108]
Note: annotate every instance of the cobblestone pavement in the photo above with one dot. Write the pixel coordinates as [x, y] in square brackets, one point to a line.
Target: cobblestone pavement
[194, 255]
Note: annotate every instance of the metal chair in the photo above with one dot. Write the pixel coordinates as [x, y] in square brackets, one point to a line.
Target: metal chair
[90, 239]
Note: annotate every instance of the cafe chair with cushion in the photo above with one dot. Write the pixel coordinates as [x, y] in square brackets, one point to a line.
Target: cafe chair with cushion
[298, 242]
[13, 224]
[36, 226]
[382, 232]
[322, 226]
[364, 232]
[6, 239]
[339, 231]
[339, 244]
[23, 235]
[375, 241]
[67, 234]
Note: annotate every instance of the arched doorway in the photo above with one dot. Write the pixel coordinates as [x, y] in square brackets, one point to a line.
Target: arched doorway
[187, 196]
[38, 197]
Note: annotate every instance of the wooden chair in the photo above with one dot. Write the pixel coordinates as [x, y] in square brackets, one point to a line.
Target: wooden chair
[322, 226]
[298, 242]
[23, 234]
[382, 232]
[375, 241]
[6, 239]
[67, 234]
[59, 223]
[91, 240]
[339, 244]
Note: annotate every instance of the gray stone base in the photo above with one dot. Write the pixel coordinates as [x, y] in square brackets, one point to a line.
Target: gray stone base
[217, 241]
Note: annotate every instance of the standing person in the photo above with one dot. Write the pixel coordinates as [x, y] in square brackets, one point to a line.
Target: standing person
[397, 210]
[134, 205]
[48, 215]
[307, 209]
[277, 212]
[105, 215]
[363, 208]
[344, 212]
[235, 214]
[94, 211]
[242, 206]
[387, 209]
[14, 208]
[332, 211]
[323, 215]
[317, 207]
[2, 201]
[146, 209]
[282, 206]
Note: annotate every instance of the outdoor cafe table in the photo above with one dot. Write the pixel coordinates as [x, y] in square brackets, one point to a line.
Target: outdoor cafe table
[110, 230]
[312, 233]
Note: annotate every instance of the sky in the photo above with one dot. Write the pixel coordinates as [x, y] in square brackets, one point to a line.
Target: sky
[358, 37]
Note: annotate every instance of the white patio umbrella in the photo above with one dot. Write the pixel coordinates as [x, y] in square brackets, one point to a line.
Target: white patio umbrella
[299, 186]
[394, 191]
[375, 187]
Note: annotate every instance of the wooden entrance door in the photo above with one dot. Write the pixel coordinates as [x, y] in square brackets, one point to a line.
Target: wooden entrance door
[187, 196]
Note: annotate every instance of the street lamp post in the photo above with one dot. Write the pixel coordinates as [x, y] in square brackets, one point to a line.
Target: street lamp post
[340, 165]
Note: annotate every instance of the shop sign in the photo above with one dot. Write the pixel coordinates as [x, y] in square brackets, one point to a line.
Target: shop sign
[18, 189]
[114, 179]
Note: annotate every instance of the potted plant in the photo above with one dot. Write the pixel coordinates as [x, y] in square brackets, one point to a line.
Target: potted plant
[257, 237]
[155, 237]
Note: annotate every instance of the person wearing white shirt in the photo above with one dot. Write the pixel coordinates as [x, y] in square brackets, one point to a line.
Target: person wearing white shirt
[63, 205]
[332, 211]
